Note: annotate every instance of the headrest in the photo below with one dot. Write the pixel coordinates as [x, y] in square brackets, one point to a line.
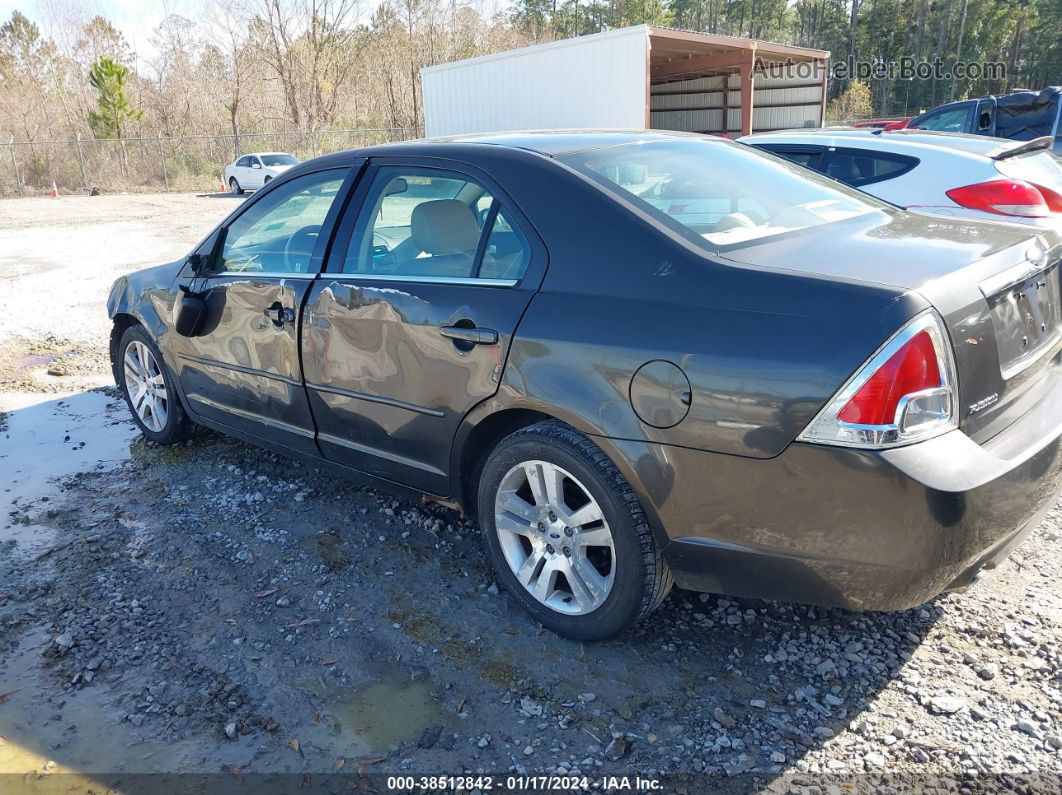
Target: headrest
[445, 226]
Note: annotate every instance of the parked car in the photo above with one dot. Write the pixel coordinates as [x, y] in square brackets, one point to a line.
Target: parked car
[1020, 116]
[944, 173]
[636, 358]
[257, 170]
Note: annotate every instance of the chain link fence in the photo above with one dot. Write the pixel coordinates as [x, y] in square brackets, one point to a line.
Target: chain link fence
[160, 163]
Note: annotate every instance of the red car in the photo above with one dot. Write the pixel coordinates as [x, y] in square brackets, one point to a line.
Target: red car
[884, 124]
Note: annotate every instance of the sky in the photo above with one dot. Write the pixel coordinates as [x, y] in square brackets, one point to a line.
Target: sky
[137, 19]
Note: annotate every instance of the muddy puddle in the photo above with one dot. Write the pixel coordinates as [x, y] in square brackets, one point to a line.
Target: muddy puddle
[47, 438]
[80, 731]
[369, 718]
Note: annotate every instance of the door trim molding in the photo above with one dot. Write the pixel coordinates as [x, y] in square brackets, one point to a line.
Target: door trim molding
[376, 452]
[254, 417]
[239, 368]
[401, 404]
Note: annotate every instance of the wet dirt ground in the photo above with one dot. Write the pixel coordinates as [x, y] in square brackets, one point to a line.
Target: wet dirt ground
[214, 608]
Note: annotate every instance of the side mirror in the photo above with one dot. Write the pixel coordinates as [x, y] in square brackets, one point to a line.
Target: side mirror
[189, 312]
[196, 263]
[256, 165]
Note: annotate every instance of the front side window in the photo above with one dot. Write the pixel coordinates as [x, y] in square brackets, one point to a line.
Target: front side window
[953, 120]
[418, 223]
[278, 233]
[718, 193]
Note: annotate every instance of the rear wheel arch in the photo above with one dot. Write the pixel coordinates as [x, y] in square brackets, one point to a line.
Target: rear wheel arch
[477, 442]
[482, 434]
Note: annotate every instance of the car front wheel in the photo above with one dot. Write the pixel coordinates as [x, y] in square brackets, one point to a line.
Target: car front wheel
[567, 535]
[148, 389]
[234, 187]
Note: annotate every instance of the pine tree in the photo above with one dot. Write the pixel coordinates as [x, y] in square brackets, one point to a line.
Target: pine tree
[115, 112]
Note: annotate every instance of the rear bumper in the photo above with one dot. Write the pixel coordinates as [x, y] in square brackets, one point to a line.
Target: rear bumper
[881, 530]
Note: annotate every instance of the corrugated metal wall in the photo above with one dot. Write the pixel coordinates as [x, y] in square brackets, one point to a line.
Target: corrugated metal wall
[592, 81]
[697, 105]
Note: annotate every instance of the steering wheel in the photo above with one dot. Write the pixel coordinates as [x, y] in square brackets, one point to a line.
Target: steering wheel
[299, 248]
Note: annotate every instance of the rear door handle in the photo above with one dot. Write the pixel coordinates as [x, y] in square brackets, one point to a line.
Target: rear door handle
[476, 336]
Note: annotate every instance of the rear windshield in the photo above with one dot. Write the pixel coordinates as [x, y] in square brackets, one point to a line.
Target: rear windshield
[279, 160]
[719, 193]
[1041, 168]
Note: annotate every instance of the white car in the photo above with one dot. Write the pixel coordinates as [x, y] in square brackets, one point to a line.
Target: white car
[255, 170]
[943, 173]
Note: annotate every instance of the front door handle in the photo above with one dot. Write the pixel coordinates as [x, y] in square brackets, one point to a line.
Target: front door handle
[475, 336]
[279, 314]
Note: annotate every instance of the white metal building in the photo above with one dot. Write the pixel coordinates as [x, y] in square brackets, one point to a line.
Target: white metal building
[631, 78]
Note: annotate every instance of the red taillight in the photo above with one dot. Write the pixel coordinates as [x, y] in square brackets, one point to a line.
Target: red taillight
[913, 368]
[1003, 197]
[1052, 197]
[904, 393]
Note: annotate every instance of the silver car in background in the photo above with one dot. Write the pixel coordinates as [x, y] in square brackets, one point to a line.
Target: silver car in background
[944, 173]
[257, 169]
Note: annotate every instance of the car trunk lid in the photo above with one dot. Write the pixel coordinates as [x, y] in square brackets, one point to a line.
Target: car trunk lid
[996, 286]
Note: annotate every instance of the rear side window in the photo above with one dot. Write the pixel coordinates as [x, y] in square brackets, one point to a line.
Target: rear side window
[809, 158]
[421, 223]
[859, 167]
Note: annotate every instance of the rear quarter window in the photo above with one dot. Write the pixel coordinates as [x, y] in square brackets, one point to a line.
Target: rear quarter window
[859, 167]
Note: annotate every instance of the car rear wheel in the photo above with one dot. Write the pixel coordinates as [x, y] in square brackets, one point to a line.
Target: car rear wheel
[567, 535]
[148, 389]
[234, 187]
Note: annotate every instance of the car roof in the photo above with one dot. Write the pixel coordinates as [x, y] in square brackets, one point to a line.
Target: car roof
[889, 140]
[552, 143]
[260, 154]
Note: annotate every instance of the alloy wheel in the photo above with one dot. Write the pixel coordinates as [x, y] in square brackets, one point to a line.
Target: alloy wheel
[146, 386]
[234, 186]
[555, 537]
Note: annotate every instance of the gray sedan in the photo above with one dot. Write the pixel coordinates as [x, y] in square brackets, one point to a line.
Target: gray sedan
[638, 358]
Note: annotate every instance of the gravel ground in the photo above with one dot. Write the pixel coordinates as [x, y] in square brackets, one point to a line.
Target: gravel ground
[215, 608]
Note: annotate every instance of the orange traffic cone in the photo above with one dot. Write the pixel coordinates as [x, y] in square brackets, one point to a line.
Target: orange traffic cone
[221, 183]
[55, 190]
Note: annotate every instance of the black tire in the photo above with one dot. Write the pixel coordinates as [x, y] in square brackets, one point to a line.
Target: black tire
[266, 181]
[642, 577]
[234, 186]
[177, 427]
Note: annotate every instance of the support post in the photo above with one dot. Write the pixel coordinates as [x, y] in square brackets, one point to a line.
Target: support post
[162, 160]
[14, 164]
[81, 162]
[748, 89]
[824, 65]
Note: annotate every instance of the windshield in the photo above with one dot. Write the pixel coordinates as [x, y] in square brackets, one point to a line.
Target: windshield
[279, 160]
[718, 192]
